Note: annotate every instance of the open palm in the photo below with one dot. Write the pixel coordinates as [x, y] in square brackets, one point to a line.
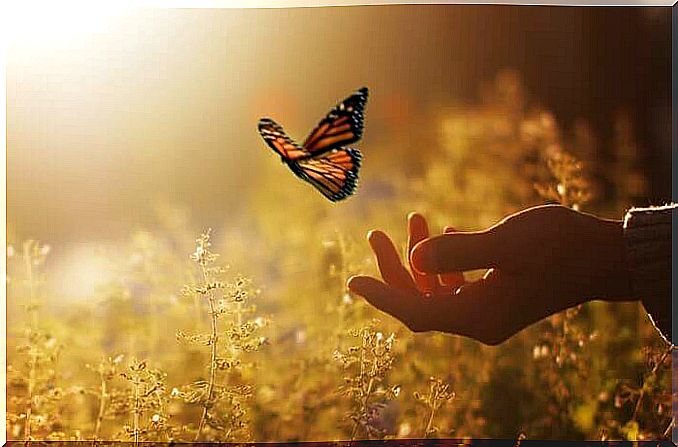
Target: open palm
[540, 261]
[420, 300]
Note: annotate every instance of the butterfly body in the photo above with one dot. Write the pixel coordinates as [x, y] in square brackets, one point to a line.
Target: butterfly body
[323, 160]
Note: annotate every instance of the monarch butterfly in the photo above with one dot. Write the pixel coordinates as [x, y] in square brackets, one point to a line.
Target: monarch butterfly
[322, 160]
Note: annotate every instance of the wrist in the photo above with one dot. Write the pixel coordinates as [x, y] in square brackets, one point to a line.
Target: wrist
[614, 263]
[647, 240]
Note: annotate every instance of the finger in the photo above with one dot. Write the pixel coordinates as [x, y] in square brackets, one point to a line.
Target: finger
[417, 230]
[452, 279]
[388, 260]
[385, 298]
[456, 252]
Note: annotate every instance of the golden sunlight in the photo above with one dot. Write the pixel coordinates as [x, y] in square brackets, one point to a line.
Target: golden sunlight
[37, 23]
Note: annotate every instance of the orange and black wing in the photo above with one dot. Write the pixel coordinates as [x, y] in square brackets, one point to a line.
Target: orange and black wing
[334, 173]
[277, 139]
[341, 127]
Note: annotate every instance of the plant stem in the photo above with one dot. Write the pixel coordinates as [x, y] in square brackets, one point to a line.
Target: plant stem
[213, 358]
[31, 387]
[432, 398]
[102, 408]
[654, 370]
[34, 324]
[360, 378]
[363, 408]
[136, 413]
[670, 426]
[429, 424]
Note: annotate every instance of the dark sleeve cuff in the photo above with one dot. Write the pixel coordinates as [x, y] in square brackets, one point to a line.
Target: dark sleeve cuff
[647, 236]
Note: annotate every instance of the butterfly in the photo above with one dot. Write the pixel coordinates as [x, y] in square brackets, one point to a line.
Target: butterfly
[323, 160]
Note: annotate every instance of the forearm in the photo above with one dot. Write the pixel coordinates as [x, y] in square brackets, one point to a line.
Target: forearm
[647, 237]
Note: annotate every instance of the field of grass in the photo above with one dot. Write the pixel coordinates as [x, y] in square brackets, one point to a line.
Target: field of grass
[249, 333]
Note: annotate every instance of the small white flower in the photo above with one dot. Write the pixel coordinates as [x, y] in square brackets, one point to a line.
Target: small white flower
[544, 350]
[175, 392]
[156, 418]
[346, 299]
[561, 189]
[259, 322]
[380, 336]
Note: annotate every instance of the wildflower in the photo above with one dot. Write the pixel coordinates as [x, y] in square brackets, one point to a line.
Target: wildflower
[618, 401]
[396, 390]
[175, 392]
[346, 298]
[198, 252]
[156, 418]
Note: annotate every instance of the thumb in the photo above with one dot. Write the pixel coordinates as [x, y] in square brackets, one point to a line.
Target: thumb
[454, 252]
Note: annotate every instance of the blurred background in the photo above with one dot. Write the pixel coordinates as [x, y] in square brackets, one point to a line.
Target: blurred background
[130, 134]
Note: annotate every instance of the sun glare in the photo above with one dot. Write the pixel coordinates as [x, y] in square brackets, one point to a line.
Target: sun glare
[33, 24]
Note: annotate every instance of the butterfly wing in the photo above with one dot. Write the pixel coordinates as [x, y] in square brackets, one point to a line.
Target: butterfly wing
[333, 173]
[341, 127]
[277, 139]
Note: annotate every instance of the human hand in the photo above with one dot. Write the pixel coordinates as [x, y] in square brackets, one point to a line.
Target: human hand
[541, 261]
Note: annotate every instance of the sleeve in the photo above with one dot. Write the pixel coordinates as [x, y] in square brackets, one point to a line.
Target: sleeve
[647, 238]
